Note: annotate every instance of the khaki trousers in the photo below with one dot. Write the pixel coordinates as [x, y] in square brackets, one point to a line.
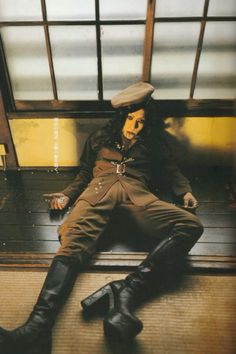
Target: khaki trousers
[80, 232]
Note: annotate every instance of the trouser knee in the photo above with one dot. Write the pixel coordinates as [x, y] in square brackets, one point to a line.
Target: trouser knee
[191, 227]
[75, 244]
[196, 227]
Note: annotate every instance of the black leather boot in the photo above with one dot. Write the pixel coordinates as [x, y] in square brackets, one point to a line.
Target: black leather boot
[121, 296]
[120, 322]
[35, 336]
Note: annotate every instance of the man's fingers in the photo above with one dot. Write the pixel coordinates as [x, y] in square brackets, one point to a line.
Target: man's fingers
[58, 204]
[53, 203]
[186, 202]
[189, 201]
[57, 201]
[192, 204]
[53, 195]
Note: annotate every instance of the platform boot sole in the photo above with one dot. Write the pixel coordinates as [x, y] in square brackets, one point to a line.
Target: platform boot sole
[120, 327]
[117, 325]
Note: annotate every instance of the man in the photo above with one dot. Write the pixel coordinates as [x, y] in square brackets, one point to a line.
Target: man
[118, 166]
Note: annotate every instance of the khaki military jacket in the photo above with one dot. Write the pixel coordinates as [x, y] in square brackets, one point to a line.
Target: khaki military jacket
[101, 168]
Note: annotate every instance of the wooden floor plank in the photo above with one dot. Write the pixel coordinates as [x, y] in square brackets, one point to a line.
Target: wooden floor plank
[37, 175]
[34, 233]
[34, 185]
[204, 249]
[216, 208]
[30, 246]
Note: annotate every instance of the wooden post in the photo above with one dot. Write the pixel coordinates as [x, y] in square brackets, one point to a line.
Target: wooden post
[49, 49]
[6, 138]
[148, 40]
[199, 49]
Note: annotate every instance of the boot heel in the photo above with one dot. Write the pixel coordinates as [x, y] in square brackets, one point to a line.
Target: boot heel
[99, 300]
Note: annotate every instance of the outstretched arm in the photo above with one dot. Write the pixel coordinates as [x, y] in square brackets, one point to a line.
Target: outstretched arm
[172, 175]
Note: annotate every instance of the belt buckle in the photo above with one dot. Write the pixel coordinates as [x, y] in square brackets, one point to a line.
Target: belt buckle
[120, 168]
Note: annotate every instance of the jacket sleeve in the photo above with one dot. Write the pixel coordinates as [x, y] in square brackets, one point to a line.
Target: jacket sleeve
[178, 182]
[169, 171]
[85, 173]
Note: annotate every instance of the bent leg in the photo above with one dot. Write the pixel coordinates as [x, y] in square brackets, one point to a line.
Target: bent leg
[175, 231]
[78, 235]
[81, 230]
[160, 219]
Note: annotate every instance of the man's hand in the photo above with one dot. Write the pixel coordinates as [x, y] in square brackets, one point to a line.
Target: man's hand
[57, 201]
[190, 202]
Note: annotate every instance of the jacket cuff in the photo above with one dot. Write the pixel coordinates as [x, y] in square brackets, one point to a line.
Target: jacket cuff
[179, 191]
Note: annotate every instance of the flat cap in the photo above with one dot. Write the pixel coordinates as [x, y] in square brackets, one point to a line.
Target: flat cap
[135, 95]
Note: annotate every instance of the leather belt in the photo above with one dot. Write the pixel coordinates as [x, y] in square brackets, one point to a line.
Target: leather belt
[121, 165]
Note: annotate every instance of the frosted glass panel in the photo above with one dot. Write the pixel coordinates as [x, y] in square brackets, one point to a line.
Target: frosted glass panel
[123, 9]
[17, 10]
[217, 67]
[179, 8]
[173, 59]
[122, 57]
[70, 9]
[222, 8]
[75, 61]
[27, 62]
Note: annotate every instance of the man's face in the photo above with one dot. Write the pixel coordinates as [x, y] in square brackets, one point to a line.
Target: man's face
[134, 124]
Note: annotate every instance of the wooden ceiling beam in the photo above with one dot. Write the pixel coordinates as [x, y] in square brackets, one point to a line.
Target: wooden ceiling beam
[96, 109]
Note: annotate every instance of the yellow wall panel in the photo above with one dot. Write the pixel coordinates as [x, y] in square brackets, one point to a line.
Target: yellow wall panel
[210, 140]
[213, 133]
[45, 142]
[51, 142]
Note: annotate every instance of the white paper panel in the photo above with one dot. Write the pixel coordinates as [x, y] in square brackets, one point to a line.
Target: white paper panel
[123, 9]
[17, 10]
[217, 67]
[179, 8]
[173, 59]
[70, 9]
[27, 62]
[75, 61]
[222, 8]
[122, 57]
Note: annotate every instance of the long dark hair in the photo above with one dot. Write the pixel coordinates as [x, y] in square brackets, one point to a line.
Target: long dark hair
[111, 132]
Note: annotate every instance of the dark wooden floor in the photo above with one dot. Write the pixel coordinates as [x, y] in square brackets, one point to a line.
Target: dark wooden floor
[28, 232]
